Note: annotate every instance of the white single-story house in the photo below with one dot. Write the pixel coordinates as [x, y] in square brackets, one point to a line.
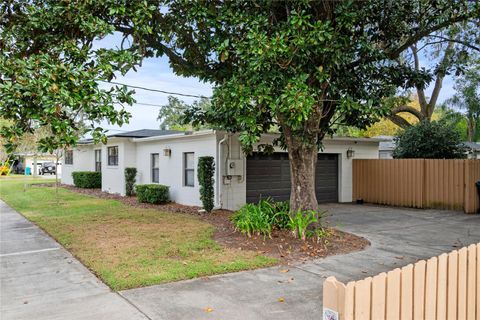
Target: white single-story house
[170, 158]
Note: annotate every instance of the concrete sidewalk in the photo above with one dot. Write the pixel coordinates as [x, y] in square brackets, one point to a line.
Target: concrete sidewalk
[41, 280]
[398, 237]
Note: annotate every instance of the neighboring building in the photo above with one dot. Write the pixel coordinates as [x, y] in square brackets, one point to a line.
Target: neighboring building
[474, 152]
[171, 158]
[34, 162]
[386, 147]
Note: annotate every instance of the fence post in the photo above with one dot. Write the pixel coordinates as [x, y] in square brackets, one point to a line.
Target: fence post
[333, 299]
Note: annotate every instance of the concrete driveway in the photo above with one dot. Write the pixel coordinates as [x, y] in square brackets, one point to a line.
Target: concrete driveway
[398, 237]
[40, 280]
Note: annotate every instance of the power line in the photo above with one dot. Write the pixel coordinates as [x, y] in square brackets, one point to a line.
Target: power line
[156, 90]
[152, 105]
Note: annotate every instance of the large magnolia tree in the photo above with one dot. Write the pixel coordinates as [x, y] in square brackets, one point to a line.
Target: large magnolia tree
[301, 66]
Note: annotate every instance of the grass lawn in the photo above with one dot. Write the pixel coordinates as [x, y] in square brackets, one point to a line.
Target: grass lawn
[127, 247]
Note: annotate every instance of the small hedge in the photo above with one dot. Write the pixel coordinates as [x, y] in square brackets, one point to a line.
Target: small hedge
[87, 179]
[130, 175]
[152, 193]
[206, 170]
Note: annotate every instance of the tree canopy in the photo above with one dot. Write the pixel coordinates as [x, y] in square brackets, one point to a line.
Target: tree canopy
[302, 66]
[467, 99]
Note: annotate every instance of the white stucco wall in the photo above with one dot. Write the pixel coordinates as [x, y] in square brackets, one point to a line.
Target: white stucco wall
[83, 160]
[234, 190]
[171, 171]
[113, 177]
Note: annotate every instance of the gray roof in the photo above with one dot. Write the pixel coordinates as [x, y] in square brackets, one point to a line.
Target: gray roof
[472, 145]
[143, 133]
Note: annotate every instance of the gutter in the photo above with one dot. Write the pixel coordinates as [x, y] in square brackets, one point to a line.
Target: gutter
[219, 172]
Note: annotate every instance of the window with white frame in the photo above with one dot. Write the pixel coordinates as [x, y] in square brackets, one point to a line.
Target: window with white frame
[98, 160]
[112, 156]
[155, 167]
[68, 158]
[188, 169]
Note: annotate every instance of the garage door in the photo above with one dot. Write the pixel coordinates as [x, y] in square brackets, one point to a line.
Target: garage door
[269, 176]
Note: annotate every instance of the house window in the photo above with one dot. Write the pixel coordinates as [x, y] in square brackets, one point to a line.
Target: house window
[98, 160]
[68, 156]
[113, 156]
[155, 167]
[189, 172]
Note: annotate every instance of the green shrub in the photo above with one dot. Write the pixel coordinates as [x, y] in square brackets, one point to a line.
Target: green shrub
[206, 170]
[87, 179]
[152, 193]
[301, 221]
[130, 175]
[262, 217]
[430, 140]
[252, 219]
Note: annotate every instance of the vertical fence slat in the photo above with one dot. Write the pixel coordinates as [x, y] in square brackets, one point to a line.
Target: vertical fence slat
[349, 309]
[442, 287]
[407, 293]
[478, 282]
[419, 290]
[431, 289]
[379, 292]
[452, 285]
[363, 294]
[471, 282]
[393, 294]
[462, 283]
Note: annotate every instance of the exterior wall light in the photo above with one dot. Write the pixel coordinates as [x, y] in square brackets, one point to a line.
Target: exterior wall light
[350, 153]
[167, 152]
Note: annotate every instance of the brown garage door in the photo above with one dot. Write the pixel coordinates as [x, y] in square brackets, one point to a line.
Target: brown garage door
[269, 176]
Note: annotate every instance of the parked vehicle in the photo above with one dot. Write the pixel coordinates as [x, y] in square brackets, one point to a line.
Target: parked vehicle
[48, 167]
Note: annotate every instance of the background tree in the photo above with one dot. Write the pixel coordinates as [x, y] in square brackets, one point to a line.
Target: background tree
[449, 51]
[467, 99]
[171, 115]
[303, 66]
[49, 71]
[430, 140]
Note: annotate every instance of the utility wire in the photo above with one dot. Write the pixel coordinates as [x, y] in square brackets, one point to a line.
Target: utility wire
[156, 90]
[152, 105]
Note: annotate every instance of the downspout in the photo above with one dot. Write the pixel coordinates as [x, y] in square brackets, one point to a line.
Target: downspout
[219, 172]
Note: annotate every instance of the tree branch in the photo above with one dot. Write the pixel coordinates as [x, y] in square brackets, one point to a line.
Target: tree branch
[399, 121]
[466, 44]
[419, 115]
[438, 82]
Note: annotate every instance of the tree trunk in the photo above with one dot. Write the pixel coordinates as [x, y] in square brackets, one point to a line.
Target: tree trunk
[470, 128]
[303, 162]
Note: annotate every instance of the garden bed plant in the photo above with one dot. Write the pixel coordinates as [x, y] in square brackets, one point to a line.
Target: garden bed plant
[266, 215]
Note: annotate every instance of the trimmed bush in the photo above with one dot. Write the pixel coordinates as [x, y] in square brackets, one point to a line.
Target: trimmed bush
[130, 175]
[87, 179]
[206, 170]
[152, 193]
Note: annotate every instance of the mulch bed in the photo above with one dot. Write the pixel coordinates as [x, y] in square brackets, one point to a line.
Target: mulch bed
[282, 245]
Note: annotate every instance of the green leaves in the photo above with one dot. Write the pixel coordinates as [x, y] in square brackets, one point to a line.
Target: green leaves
[430, 140]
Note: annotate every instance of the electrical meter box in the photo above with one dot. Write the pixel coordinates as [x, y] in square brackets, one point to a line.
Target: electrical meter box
[235, 167]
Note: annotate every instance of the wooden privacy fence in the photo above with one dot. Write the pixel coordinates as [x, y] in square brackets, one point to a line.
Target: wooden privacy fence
[418, 183]
[444, 287]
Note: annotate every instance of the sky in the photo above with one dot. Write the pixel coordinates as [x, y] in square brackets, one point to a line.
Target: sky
[156, 73]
